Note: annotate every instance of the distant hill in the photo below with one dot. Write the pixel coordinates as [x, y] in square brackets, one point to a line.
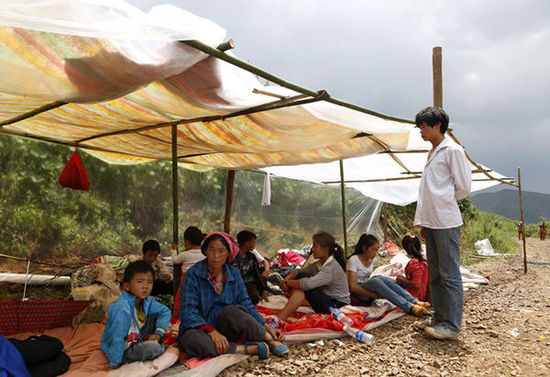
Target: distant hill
[506, 203]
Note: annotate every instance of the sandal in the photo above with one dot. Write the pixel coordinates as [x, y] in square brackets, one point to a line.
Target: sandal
[263, 349]
[418, 311]
[280, 350]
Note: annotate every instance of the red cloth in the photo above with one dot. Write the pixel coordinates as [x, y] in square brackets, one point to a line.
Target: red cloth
[288, 257]
[177, 301]
[74, 175]
[24, 316]
[417, 272]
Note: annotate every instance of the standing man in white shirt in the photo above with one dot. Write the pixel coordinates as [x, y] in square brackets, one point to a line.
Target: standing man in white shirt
[447, 177]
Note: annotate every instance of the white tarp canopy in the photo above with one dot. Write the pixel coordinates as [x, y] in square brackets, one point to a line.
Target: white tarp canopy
[113, 80]
[389, 182]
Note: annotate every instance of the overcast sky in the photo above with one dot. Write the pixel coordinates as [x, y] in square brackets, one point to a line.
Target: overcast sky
[377, 54]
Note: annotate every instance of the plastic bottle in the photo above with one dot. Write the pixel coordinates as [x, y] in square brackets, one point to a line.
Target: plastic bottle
[341, 317]
[359, 335]
[275, 322]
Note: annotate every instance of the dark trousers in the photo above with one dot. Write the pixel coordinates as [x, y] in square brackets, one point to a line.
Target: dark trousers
[160, 287]
[233, 322]
[254, 293]
[320, 302]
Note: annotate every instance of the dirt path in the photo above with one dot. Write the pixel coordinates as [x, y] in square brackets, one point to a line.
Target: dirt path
[506, 332]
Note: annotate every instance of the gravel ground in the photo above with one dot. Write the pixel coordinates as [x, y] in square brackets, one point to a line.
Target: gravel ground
[506, 332]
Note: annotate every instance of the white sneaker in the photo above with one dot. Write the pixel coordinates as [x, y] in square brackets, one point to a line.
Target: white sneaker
[441, 332]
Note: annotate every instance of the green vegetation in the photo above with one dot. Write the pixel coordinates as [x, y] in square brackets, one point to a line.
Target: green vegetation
[478, 225]
[127, 204]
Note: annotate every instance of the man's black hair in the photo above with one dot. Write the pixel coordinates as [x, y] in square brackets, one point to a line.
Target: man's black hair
[245, 236]
[137, 267]
[150, 245]
[431, 116]
[193, 235]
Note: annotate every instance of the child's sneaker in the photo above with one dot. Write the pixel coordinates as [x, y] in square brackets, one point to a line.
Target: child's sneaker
[424, 304]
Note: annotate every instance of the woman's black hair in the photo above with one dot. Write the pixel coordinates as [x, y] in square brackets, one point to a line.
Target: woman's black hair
[245, 236]
[366, 240]
[214, 237]
[194, 235]
[411, 244]
[327, 240]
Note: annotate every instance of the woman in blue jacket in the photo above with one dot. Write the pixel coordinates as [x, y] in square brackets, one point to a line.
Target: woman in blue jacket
[216, 310]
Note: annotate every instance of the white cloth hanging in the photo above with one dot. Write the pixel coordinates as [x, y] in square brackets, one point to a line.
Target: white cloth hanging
[266, 197]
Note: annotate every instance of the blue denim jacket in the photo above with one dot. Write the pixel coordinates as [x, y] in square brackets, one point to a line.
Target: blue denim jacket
[200, 305]
[118, 324]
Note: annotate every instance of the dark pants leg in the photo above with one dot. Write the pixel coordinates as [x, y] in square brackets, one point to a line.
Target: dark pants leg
[253, 293]
[160, 287]
[234, 322]
[320, 302]
[197, 343]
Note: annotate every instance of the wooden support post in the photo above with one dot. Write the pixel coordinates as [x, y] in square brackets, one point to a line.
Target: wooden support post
[385, 222]
[228, 200]
[175, 206]
[343, 192]
[437, 77]
[522, 223]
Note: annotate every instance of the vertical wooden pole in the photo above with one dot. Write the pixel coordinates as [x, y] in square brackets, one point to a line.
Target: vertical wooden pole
[385, 222]
[343, 192]
[437, 76]
[228, 200]
[522, 223]
[175, 206]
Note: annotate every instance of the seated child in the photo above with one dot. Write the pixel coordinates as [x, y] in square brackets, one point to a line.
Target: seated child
[192, 239]
[367, 288]
[247, 263]
[162, 277]
[136, 321]
[416, 272]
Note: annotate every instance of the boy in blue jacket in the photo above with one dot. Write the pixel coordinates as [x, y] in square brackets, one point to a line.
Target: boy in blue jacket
[136, 322]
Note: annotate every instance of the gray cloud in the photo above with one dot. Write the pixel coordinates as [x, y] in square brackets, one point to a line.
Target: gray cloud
[378, 55]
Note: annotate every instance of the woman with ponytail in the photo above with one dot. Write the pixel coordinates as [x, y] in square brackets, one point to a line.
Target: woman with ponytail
[323, 284]
[366, 288]
[416, 272]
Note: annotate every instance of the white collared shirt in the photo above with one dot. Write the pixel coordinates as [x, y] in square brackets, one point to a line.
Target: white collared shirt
[447, 177]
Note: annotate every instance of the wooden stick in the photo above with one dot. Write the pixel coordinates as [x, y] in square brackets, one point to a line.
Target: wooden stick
[437, 77]
[343, 192]
[372, 180]
[385, 223]
[32, 113]
[227, 45]
[522, 223]
[285, 102]
[268, 76]
[228, 200]
[175, 204]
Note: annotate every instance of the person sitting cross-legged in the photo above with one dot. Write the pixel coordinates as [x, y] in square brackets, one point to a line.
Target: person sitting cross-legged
[216, 311]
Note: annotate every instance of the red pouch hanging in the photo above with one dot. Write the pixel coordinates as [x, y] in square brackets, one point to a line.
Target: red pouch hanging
[74, 175]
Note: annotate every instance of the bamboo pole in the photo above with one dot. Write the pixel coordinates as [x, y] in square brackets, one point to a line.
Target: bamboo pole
[343, 192]
[437, 76]
[32, 113]
[278, 104]
[270, 77]
[385, 223]
[228, 200]
[175, 204]
[522, 223]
